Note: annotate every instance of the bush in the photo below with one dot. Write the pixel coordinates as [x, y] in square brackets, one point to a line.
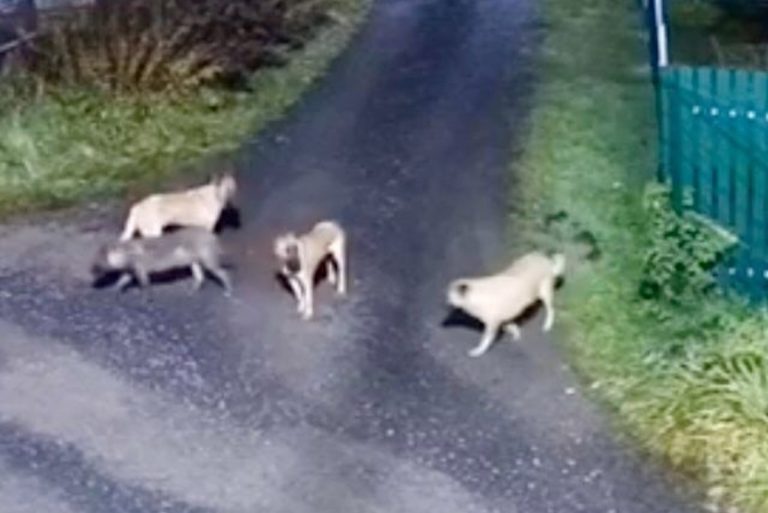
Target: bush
[701, 14]
[141, 45]
[684, 250]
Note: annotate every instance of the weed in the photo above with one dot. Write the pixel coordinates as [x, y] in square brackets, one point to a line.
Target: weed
[680, 263]
[140, 45]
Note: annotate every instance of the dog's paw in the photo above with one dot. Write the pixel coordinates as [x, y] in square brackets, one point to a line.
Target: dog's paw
[513, 330]
[478, 351]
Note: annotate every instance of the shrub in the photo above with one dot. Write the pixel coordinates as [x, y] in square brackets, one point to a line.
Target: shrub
[684, 251]
[702, 14]
[140, 45]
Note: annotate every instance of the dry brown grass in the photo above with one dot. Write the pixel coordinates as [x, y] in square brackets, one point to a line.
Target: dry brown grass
[160, 45]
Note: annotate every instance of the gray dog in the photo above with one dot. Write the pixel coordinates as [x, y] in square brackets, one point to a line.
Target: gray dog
[195, 248]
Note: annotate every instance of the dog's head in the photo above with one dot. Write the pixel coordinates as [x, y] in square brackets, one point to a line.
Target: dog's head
[109, 258]
[287, 251]
[226, 187]
[457, 293]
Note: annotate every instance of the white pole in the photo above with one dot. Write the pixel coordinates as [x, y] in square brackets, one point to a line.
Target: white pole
[661, 34]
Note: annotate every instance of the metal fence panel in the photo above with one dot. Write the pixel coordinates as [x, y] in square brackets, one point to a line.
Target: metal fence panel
[714, 147]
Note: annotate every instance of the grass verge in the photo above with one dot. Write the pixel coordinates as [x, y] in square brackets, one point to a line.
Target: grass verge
[689, 381]
[67, 146]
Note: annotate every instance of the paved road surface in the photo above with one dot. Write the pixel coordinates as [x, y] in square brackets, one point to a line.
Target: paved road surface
[164, 401]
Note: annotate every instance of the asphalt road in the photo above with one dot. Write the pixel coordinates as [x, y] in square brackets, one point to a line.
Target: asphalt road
[167, 401]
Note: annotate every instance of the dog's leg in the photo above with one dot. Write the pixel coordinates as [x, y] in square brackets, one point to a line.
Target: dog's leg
[338, 251]
[141, 276]
[489, 335]
[513, 329]
[308, 298]
[306, 282]
[212, 264]
[546, 293]
[130, 227]
[223, 276]
[330, 271]
[123, 282]
[210, 223]
[198, 275]
[296, 288]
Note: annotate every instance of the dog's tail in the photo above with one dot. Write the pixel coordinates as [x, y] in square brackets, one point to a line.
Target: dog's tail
[558, 264]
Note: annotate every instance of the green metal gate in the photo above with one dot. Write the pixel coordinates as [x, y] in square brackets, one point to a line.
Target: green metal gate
[714, 152]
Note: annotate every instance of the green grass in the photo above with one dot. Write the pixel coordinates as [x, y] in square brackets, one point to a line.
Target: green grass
[67, 146]
[691, 388]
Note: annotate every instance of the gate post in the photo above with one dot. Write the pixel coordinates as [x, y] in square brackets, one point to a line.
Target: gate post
[658, 49]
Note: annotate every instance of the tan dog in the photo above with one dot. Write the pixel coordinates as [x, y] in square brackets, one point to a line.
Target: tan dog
[301, 256]
[497, 300]
[200, 206]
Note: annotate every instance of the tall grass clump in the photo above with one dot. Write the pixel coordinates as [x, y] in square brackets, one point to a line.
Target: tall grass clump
[728, 33]
[683, 367]
[119, 96]
[171, 44]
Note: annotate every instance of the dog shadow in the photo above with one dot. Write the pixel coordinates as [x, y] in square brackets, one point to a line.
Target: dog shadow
[105, 280]
[457, 318]
[230, 218]
[108, 280]
[321, 276]
[283, 282]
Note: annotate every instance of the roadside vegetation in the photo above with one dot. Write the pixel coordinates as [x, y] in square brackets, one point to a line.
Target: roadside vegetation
[726, 33]
[119, 97]
[684, 368]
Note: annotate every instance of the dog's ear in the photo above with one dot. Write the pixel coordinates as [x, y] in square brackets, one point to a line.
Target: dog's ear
[226, 184]
[278, 246]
